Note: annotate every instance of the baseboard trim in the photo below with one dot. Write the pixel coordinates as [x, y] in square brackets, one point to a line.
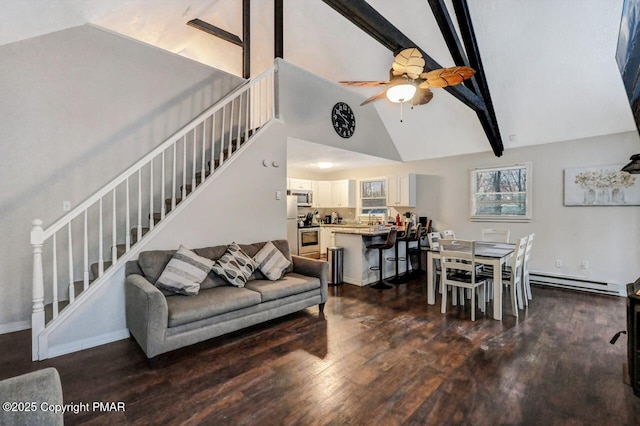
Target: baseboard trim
[15, 326]
[576, 283]
[91, 342]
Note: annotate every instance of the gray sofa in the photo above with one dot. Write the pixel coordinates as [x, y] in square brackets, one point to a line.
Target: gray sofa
[161, 322]
[34, 399]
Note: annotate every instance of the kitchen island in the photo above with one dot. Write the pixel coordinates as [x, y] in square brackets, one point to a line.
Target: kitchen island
[358, 259]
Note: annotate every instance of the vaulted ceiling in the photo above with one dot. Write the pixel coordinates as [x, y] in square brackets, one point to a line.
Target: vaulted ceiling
[550, 64]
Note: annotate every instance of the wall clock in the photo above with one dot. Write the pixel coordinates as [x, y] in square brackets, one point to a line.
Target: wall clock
[343, 120]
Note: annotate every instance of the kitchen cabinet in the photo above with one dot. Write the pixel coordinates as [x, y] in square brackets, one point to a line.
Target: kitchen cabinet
[327, 239]
[401, 190]
[343, 193]
[322, 195]
[294, 183]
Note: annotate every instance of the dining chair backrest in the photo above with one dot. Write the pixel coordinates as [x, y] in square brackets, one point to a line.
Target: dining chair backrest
[517, 259]
[496, 235]
[448, 234]
[458, 255]
[527, 253]
[434, 240]
[525, 269]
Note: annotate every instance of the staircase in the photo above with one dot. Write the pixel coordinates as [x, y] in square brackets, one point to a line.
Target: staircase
[80, 252]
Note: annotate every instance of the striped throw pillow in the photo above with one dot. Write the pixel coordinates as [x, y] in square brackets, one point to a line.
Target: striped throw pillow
[184, 273]
[235, 266]
[271, 261]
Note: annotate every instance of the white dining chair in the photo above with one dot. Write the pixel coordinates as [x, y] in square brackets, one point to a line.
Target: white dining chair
[448, 234]
[525, 270]
[459, 271]
[496, 235]
[512, 276]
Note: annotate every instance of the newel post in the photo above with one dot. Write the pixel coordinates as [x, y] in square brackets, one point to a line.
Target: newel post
[37, 314]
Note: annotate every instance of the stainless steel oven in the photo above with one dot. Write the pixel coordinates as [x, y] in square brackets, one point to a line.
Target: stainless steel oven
[309, 242]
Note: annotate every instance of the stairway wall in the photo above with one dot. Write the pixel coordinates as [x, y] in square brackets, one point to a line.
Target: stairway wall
[79, 106]
[238, 205]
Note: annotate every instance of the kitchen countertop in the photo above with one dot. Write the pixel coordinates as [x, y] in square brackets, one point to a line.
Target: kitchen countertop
[367, 231]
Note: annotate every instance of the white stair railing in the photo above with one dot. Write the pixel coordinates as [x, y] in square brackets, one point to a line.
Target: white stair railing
[207, 138]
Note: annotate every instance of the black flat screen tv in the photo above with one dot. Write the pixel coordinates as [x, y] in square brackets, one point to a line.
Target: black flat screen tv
[628, 59]
[628, 54]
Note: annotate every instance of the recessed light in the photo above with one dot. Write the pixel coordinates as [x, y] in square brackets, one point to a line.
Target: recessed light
[325, 164]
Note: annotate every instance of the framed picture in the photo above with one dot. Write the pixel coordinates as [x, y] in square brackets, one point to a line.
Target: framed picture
[601, 186]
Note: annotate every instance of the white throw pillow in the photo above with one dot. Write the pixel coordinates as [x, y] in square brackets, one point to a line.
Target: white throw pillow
[271, 261]
[185, 272]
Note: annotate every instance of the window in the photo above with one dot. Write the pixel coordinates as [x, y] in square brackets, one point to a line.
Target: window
[501, 193]
[373, 197]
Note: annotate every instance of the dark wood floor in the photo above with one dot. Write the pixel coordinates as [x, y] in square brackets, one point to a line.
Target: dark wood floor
[372, 358]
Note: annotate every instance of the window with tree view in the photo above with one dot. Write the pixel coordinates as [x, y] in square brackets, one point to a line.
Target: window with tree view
[501, 193]
[373, 197]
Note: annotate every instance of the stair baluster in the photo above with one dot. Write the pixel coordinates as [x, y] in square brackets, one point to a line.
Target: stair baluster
[114, 240]
[72, 290]
[213, 143]
[224, 108]
[85, 256]
[194, 164]
[151, 220]
[163, 205]
[127, 223]
[100, 242]
[139, 205]
[230, 146]
[55, 278]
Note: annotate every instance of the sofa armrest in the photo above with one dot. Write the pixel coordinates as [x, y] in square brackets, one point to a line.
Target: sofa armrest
[147, 314]
[313, 268]
[41, 388]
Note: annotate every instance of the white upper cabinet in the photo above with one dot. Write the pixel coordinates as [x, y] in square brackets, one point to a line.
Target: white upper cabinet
[401, 190]
[324, 194]
[294, 183]
[343, 193]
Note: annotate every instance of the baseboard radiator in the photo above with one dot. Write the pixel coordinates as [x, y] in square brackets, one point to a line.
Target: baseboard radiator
[575, 283]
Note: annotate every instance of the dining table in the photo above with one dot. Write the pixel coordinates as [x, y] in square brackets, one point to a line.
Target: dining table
[494, 254]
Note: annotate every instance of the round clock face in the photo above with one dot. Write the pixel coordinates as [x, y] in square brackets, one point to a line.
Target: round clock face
[343, 120]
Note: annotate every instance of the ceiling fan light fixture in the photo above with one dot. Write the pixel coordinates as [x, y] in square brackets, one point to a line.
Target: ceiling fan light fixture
[401, 92]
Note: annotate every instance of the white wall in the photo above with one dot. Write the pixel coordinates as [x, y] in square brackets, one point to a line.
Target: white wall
[306, 101]
[79, 106]
[607, 237]
[237, 205]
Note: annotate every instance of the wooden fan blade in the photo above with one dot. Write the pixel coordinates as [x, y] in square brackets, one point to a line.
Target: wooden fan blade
[410, 62]
[364, 83]
[422, 96]
[444, 77]
[424, 85]
[375, 97]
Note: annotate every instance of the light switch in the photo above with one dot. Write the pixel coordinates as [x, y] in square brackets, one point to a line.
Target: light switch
[66, 206]
[278, 195]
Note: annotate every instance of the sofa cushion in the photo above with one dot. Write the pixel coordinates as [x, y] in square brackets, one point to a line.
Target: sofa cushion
[289, 285]
[235, 266]
[184, 272]
[209, 303]
[271, 262]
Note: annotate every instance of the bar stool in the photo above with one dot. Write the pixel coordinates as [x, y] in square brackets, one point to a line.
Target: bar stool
[391, 241]
[415, 236]
[402, 236]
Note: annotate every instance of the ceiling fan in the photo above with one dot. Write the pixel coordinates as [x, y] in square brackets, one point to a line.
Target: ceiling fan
[409, 83]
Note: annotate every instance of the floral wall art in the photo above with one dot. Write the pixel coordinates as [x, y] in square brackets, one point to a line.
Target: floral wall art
[601, 186]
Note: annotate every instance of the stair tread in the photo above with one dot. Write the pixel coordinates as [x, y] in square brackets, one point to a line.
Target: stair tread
[94, 268]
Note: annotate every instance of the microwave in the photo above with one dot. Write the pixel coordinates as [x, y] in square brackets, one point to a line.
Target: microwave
[304, 197]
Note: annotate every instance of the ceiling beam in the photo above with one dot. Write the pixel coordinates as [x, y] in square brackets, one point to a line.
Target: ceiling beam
[463, 16]
[215, 31]
[278, 28]
[365, 17]
[246, 39]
